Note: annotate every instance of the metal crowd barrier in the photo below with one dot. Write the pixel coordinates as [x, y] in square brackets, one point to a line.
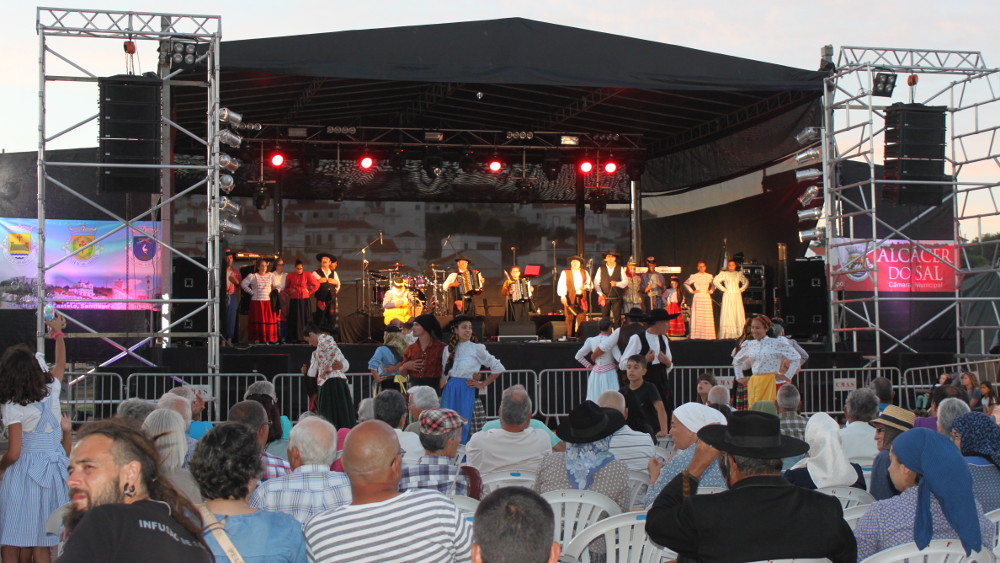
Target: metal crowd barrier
[494, 393]
[559, 390]
[292, 398]
[91, 396]
[919, 380]
[226, 389]
[825, 390]
[685, 381]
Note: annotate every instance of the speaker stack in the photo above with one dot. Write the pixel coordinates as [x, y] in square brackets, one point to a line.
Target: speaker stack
[806, 298]
[129, 132]
[754, 298]
[915, 150]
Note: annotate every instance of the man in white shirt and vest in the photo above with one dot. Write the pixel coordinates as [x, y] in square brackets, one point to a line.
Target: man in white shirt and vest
[611, 282]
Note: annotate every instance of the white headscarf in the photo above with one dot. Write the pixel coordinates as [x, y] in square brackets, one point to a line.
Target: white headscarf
[827, 464]
[694, 416]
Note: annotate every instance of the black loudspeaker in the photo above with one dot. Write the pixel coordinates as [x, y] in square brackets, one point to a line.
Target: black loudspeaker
[754, 298]
[552, 330]
[189, 282]
[516, 330]
[805, 316]
[915, 150]
[129, 132]
[267, 364]
[806, 278]
[589, 328]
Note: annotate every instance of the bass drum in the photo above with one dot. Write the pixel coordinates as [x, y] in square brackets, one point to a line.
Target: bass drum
[378, 293]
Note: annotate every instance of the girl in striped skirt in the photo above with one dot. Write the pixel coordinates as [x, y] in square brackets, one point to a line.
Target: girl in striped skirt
[34, 482]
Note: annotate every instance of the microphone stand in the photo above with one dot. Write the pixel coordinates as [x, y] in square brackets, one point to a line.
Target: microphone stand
[555, 279]
[367, 310]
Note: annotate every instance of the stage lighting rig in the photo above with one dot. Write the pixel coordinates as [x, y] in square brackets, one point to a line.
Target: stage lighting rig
[634, 169]
[432, 164]
[810, 195]
[807, 174]
[495, 164]
[598, 202]
[467, 162]
[366, 162]
[230, 117]
[262, 198]
[277, 160]
[807, 135]
[806, 215]
[226, 183]
[227, 137]
[551, 167]
[228, 163]
[885, 83]
[817, 234]
[808, 156]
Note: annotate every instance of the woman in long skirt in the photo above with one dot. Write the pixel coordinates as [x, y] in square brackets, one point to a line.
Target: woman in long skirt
[34, 480]
[674, 298]
[764, 355]
[385, 362]
[701, 285]
[327, 372]
[464, 358]
[603, 373]
[299, 287]
[262, 324]
[732, 283]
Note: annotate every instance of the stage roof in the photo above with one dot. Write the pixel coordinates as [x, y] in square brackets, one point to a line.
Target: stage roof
[705, 116]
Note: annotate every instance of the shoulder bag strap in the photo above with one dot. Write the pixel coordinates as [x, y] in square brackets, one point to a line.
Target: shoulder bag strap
[218, 530]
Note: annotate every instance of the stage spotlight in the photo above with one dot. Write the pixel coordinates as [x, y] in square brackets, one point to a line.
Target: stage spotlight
[807, 174]
[598, 204]
[885, 83]
[808, 156]
[277, 160]
[819, 233]
[262, 198]
[227, 137]
[366, 162]
[635, 168]
[467, 162]
[227, 205]
[228, 163]
[397, 160]
[432, 165]
[569, 140]
[810, 195]
[226, 183]
[807, 135]
[806, 215]
[586, 166]
[551, 167]
[229, 116]
[495, 164]
[525, 194]
[231, 227]
[610, 167]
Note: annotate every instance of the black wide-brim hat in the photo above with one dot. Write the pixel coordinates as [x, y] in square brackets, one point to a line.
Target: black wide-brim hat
[589, 423]
[323, 255]
[611, 253]
[657, 315]
[635, 313]
[460, 258]
[575, 257]
[752, 434]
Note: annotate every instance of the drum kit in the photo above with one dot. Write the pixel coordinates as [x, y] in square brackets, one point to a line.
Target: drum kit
[426, 293]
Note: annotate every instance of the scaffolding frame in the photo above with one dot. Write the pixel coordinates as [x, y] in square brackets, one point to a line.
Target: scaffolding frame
[854, 128]
[158, 28]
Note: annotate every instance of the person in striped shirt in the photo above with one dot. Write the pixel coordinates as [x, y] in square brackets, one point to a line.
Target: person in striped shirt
[383, 524]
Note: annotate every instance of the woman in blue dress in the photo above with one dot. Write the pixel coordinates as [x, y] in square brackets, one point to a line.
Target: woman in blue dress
[34, 482]
[463, 359]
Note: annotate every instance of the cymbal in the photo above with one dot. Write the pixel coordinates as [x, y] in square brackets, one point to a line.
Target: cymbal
[396, 265]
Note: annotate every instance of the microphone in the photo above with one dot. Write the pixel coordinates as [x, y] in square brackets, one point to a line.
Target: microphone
[380, 237]
[445, 243]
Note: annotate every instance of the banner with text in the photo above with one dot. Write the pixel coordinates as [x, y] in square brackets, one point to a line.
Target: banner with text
[901, 265]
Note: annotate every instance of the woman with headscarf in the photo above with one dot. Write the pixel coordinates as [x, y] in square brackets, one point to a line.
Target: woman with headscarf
[978, 436]
[687, 420]
[936, 500]
[463, 360]
[587, 463]
[826, 465]
[888, 426]
[327, 374]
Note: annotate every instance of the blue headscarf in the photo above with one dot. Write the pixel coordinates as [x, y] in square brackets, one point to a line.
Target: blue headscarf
[584, 460]
[980, 435]
[945, 474]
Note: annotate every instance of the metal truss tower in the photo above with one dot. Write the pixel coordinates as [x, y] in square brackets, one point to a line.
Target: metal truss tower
[159, 29]
[854, 129]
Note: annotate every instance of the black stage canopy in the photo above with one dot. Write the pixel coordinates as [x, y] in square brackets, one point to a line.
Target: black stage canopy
[670, 107]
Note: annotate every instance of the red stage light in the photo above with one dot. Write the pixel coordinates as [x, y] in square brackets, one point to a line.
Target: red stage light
[277, 160]
[366, 162]
[495, 165]
[610, 167]
[586, 167]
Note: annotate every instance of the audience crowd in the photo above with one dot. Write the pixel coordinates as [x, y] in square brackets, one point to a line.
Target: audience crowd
[158, 483]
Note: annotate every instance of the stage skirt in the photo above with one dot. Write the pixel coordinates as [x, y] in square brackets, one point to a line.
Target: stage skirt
[335, 403]
[299, 315]
[702, 317]
[676, 327]
[262, 323]
[460, 398]
[600, 381]
[761, 387]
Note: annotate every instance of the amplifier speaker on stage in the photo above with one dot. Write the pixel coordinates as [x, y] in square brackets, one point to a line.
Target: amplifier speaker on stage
[553, 330]
[915, 143]
[754, 298]
[129, 132]
[517, 331]
[189, 283]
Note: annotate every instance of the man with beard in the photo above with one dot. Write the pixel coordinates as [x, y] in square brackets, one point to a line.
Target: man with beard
[122, 509]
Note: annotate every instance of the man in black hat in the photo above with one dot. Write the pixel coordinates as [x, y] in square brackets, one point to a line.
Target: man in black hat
[653, 286]
[326, 295]
[573, 290]
[464, 285]
[762, 516]
[611, 282]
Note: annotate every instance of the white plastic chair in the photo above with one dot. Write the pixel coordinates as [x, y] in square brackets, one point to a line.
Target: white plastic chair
[662, 453]
[849, 496]
[497, 479]
[711, 490]
[459, 454]
[638, 484]
[466, 505]
[819, 560]
[576, 509]
[994, 516]
[854, 513]
[624, 535]
[938, 551]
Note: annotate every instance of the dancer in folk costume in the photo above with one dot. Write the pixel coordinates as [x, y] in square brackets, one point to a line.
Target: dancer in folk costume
[764, 355]
[674, 298]
[633, 291]
[326, 381]
[701, 285]
[262, 323]
[463, 359]
[603, 375]
[299, 287]
[732, 283]
[34, 480]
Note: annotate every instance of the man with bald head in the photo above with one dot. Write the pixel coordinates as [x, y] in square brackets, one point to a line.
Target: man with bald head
[369, 528]
[515, 445]
[631, 446]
